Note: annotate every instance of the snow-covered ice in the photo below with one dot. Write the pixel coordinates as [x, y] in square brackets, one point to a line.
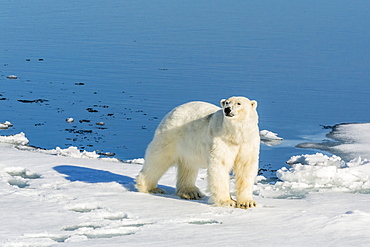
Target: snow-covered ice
[67, 200]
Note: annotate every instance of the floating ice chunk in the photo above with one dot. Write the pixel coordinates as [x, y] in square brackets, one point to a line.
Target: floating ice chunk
[18, 139]
[269, 138]
[6, 125]
[12, 77]
[70, 120]
[265, 134]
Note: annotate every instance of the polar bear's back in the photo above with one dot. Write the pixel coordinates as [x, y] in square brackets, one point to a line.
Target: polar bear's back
[187, 113]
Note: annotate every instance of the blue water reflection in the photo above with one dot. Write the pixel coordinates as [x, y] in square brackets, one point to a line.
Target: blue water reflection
[307, 64]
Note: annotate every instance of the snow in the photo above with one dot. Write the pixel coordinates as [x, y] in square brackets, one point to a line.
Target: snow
[65, 198]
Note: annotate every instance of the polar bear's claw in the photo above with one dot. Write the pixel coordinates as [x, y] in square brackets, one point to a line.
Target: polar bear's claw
[246, 205]
[191, 194]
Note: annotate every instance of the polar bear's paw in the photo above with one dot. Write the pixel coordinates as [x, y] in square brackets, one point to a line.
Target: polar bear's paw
[157, 191]
[190, 193]
[226, 203]
[246, 204]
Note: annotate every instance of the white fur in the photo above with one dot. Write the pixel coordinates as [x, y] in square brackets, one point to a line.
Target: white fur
[201, 135]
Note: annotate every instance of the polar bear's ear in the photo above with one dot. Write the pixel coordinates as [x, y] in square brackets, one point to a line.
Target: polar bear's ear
[222, 102]
[254, 104]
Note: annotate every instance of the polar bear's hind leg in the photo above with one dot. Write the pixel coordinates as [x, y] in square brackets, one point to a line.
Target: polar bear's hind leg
[186, 176]
[154, 168]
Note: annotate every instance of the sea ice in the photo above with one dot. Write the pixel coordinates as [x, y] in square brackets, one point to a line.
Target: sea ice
[317, 172]
[6, 125]
[18, 139]
[70, 120]
[348, 141]
[270, 138]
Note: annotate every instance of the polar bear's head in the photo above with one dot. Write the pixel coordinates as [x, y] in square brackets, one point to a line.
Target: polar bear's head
[239, 108]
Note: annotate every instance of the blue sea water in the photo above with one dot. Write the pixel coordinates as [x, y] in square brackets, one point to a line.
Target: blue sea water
[127, 63]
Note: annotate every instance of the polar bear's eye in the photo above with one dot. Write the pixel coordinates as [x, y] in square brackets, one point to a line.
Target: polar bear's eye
[238, 103]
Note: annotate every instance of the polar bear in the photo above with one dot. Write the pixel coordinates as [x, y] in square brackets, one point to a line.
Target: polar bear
[201, 135]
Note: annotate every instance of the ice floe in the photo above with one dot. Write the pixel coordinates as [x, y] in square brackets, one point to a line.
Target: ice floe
[6, 125]
[17, 139]
[349, 141]
[270, 138]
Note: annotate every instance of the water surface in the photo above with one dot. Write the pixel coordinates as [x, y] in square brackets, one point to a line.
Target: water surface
[127, 63]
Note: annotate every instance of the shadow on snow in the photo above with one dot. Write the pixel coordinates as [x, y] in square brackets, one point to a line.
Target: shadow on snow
[89, 175]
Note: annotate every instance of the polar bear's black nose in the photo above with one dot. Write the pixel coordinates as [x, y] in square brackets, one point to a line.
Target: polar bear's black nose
[227, 111]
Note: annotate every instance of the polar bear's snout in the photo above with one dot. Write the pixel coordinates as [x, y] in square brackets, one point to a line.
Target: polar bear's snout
[228, 112]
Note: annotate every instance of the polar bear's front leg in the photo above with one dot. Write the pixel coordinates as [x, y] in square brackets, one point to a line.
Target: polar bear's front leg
[246, 173]
[219, 184]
